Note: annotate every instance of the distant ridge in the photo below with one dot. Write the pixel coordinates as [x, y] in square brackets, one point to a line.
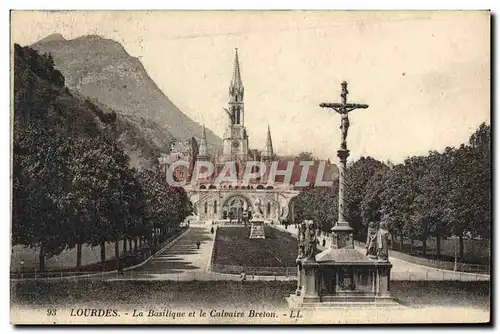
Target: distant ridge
[101, 69]
[52, 38]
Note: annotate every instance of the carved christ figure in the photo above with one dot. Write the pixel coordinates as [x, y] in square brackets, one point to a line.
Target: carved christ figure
[343, 109]
[344, 126]
[344, 114]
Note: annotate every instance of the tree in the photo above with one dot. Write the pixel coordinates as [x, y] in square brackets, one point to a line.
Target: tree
[165, 207]
[357, 177]
[100, 197]
[40, 170]
[459, 213]
[371, 204]
[319, 204]
[433, 185]
[480, 154]
[469, 199]
[254, 154]
[40, 180]
[306, 156]
[396, 199]
[113, 202]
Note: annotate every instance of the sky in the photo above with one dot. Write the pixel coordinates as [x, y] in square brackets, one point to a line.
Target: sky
[425, 75]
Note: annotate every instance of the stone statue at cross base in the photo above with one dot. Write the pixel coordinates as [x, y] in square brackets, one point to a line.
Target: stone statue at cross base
[302, 239]
[311, 240]
[258, 210]
[371, 241]
[383, 241]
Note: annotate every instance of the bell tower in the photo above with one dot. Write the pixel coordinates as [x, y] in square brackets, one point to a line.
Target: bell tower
[235, 136]
[236, 93]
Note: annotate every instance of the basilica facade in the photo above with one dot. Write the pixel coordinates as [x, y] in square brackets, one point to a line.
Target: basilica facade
[216, 202]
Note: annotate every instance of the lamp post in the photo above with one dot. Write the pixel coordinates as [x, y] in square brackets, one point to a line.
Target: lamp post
[455, 264]
[21, 268]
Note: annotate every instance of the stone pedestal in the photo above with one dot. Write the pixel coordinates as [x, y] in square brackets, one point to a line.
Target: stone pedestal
[342, 236]
[257, 229]
[310, 281]
[342, 277]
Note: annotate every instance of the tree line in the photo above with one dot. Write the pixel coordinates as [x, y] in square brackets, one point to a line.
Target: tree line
[72, 183]
[438, 195]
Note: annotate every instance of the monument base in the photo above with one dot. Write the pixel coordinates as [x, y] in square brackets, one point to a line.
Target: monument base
[295, 301]
[257, 230]
[342, 277]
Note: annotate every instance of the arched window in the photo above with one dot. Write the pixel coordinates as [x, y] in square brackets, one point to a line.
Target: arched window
[215, 206]
[206, 207]
[238, 114]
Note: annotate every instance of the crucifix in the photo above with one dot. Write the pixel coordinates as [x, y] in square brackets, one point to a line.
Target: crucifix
[344, 109]
[342, 232]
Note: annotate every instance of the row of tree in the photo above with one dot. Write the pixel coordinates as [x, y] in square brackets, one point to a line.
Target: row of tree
[438, 195]
[72, 183]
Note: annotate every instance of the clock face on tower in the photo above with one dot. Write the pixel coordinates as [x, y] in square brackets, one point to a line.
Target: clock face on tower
[236, 144]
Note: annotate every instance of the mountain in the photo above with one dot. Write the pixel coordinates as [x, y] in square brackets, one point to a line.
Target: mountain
[41, 93]
[142, 139]
[102, 70]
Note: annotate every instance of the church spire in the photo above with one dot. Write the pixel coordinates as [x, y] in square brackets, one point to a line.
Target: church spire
[236, 92]
[268, 153]
[236, 86]
[203, 151]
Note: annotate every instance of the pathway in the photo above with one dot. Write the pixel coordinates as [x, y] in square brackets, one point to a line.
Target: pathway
[183, 261]
[180, 260]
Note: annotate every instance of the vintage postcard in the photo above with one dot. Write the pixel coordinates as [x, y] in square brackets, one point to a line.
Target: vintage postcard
[250, 167]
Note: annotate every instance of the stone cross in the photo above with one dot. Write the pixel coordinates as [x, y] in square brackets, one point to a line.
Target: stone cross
[342, 231]
[343, 109]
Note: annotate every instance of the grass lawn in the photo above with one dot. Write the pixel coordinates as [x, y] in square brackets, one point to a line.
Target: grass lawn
[225, 293]
[128, 259]
[233, 247]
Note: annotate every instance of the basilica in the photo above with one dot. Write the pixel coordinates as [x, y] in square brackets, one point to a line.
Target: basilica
[216, 202]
